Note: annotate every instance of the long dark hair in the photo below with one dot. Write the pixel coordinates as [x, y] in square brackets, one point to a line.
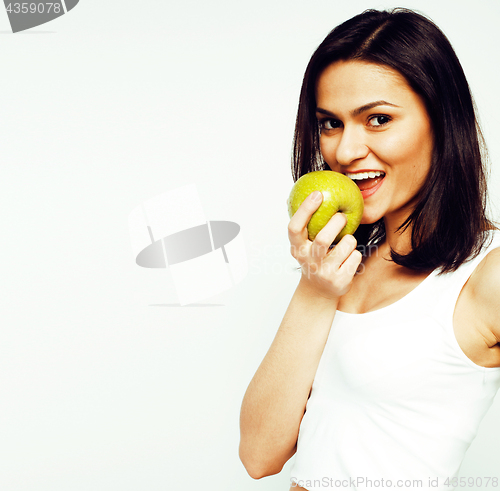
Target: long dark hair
[449, 219]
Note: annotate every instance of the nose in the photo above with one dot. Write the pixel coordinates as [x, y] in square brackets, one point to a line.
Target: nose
[351, 146]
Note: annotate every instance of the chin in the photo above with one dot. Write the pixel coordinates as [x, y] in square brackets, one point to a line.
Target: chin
[369, 220]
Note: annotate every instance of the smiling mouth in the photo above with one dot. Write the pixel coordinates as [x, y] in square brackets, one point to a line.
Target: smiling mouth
[366, 180]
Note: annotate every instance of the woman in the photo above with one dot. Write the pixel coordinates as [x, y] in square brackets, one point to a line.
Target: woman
[385, 362]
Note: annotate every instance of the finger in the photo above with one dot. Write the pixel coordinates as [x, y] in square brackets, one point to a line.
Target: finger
[297, 227]
[341, 252]
[351, 264]
[327, 235]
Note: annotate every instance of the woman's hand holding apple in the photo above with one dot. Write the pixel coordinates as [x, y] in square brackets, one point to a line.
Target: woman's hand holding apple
[327, 272]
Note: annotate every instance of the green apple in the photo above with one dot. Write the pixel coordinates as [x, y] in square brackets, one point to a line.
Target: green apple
[339, 194]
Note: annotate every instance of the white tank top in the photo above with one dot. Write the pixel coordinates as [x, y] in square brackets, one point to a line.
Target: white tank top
[394, 396]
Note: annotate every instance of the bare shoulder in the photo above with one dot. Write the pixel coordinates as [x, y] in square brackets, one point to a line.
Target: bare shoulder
[484, 289]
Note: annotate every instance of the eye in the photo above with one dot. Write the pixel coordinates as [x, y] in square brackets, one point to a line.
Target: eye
[379, 120]
[329, 124]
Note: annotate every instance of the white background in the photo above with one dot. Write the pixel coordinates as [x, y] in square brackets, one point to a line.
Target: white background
[106, 384]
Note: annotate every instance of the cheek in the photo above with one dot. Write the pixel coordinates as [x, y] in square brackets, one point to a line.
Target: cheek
[328, 148]
[410, 153]
[414, 144]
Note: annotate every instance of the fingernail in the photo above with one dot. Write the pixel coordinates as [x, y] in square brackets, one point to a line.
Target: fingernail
[316, 196]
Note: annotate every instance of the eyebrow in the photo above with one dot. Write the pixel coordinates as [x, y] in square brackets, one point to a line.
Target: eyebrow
[359, 110]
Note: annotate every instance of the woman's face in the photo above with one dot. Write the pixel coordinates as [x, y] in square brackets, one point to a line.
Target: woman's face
[376, 130]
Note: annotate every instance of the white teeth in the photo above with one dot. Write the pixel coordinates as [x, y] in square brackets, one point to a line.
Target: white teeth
[363, 175]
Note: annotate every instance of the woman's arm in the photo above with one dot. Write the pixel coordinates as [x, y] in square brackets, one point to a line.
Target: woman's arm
[275, 401]
[484, 285]
[276, 398]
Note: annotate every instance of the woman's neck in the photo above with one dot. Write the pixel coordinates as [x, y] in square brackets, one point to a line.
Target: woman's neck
[397, 240]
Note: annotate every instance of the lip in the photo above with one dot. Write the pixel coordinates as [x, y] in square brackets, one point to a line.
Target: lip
[369, 192]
